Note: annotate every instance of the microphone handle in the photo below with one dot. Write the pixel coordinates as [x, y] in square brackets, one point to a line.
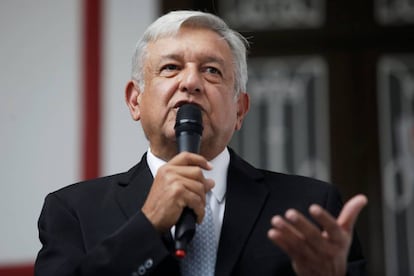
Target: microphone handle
[184, 231]
[188, 141]
[185, 227]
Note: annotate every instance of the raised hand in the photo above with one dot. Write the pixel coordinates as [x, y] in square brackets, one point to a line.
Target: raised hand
[314, 251]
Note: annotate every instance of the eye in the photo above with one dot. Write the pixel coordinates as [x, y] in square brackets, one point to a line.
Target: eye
[169, 67]
[213, 70]
[169, 70]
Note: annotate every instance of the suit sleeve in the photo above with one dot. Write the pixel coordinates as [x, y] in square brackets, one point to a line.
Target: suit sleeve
[134, 247]
[356, 263]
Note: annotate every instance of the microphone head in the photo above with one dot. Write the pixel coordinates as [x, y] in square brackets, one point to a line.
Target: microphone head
[188, 119]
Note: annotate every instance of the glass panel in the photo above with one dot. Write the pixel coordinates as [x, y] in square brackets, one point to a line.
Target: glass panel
[287, 127]
[396, 118]
[394, 12]
[273, 14]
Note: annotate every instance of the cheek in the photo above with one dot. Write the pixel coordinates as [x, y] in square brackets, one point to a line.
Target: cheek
[225, 114]
[164, 87]
[157, 95]
[156, 100]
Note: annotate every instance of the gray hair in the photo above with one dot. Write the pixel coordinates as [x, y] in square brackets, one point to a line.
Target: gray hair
[170, 24]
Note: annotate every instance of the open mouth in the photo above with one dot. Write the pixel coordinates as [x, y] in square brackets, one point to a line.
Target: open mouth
[181, 103]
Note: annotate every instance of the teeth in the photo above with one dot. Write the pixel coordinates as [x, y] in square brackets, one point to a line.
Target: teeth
[179, 105]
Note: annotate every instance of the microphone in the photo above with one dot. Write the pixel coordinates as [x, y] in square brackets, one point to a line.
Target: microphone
[188, 129]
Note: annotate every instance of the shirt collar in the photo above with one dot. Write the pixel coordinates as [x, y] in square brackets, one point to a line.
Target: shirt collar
[218, 173]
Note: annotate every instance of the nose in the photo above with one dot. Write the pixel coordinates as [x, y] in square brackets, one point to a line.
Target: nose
[191, 80]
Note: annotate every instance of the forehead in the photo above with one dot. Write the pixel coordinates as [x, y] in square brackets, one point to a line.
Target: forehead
[191, 42]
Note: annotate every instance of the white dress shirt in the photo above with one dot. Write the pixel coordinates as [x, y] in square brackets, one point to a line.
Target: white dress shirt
[218, 174]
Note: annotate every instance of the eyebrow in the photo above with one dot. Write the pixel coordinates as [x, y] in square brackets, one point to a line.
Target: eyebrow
[204, 59]
[215, 59]
[171, 56]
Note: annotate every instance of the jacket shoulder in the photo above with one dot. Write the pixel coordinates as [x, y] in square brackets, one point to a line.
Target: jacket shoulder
[100, 187]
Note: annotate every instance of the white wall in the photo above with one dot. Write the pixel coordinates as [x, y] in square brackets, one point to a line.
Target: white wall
[40, 100]
[124, 141]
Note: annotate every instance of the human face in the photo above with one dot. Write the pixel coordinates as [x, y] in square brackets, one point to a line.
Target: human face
[193, 66]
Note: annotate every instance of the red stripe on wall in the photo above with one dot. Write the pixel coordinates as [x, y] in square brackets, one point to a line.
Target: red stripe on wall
[91, 88]
[20, 270]
[91, 57]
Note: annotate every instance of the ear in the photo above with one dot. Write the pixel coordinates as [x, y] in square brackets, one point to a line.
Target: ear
[133, 99]
[243, 105]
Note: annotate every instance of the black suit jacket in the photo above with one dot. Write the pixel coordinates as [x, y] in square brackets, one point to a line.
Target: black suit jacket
[96, 227]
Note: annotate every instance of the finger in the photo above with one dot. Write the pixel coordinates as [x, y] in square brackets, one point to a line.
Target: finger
[328, 223]
[208, 184]
[194, 203]
[311, 233]
[196, 183]
[291, 241]
[192, 189]
[184, 185]
[350, 212]
[189, 193]
[281, 233]
[179, 175]
[191, 172]
[191, 159]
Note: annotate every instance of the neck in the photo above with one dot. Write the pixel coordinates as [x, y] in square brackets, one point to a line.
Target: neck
[167, 153]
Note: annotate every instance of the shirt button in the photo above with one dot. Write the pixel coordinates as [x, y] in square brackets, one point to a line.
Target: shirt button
[148, 263]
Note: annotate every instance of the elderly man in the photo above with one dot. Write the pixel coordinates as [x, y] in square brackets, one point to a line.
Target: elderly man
[261, 222]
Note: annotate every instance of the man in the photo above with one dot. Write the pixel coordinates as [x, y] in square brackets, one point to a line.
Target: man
[123, 224]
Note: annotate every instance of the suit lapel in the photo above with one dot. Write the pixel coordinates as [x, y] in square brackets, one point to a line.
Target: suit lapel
[245, 197]
[135, 187]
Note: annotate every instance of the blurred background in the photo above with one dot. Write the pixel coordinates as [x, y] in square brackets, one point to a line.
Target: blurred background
[331, 83]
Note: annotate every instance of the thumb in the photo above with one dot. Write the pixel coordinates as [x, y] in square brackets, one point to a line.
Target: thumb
[350, 212]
